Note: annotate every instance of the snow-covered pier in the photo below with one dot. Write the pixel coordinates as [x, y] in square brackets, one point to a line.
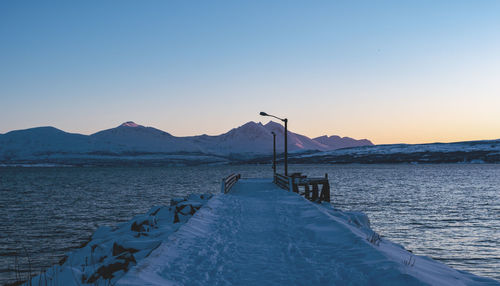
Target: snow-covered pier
[259, 234]
[253, 233]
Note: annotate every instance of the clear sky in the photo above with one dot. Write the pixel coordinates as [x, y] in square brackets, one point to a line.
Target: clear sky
[390, 71]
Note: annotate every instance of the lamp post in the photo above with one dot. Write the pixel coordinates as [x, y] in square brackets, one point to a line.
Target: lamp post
[285, 120]
[274, 154]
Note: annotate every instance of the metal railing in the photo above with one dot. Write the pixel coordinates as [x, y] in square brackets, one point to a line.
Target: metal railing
[228, 182]
[282, 181]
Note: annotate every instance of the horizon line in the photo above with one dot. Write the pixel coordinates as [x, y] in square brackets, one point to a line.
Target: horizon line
[259, 122]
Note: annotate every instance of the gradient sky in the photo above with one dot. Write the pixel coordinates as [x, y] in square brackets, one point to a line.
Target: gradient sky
[390, 71]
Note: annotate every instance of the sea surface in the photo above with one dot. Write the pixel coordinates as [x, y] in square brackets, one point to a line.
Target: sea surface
[448, 212]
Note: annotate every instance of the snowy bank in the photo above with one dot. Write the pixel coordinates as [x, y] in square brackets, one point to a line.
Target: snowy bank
[110, 253]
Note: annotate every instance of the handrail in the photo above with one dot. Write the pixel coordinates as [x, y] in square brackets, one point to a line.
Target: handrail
[311, 189]
[228, 182]
[282, 181]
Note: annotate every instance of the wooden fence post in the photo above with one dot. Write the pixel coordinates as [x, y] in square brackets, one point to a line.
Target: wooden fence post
[315, 192]
[325, 192]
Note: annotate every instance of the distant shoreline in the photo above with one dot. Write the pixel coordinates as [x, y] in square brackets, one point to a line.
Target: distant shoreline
[293, 161]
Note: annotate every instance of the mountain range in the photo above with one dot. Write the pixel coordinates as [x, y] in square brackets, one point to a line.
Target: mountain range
[133, 144]
[131, 141]
[482, 151]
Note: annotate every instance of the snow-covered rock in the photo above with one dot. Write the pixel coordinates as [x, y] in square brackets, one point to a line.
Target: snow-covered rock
[110, 253]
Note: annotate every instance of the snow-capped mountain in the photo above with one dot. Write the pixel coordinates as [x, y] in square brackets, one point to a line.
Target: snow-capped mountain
[133, 137]
[256, 139]
[249, 139]
[40, 142]
[134, 143]
[336, 142]
[296, 142]
[130, 140]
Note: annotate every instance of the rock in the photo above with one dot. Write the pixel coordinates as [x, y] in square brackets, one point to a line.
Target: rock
[118, 249]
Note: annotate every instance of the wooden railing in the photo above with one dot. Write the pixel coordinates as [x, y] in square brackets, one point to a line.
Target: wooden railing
[228, 182]
[311, 190]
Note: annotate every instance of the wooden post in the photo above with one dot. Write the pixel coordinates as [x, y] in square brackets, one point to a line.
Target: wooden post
[325, 192]
[315, 192]
[306, 192]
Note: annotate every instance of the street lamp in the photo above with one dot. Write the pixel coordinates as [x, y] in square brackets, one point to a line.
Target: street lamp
[274, 154]
[286, 139]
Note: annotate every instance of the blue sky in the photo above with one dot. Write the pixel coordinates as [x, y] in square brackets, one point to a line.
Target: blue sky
[390, 71]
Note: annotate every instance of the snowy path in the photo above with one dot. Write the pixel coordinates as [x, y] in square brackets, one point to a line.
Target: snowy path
[261, 235]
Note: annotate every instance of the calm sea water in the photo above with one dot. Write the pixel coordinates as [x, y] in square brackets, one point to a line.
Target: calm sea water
[448, 212]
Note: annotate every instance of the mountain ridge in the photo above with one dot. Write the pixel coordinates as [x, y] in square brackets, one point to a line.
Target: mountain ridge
[131, 143]
[134, 144]
[337, 142]
[131, 139]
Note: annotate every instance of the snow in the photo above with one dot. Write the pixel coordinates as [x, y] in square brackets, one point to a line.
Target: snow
[130, 124]
[259, 234]
[469, 146]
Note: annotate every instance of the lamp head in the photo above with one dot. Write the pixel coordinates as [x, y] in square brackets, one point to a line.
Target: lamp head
[272, 132]
[263, 113]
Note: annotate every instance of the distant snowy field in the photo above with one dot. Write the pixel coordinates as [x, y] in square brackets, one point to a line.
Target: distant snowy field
[487, 151]
[486, 145]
